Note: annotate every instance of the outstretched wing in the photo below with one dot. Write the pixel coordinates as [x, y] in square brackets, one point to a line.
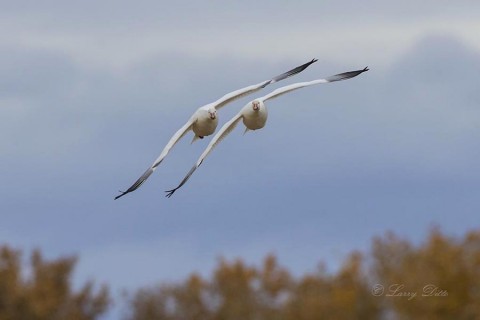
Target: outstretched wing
[224, 131]
[295, 86]
[173, 140]
[229, 97]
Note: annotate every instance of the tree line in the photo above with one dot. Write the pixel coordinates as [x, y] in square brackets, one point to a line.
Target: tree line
[396, 279]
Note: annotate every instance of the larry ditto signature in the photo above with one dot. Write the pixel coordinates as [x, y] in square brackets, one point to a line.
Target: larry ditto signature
[398, 290]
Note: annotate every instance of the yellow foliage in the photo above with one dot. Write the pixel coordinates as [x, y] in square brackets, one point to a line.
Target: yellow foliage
[437, 279]
[46, 294]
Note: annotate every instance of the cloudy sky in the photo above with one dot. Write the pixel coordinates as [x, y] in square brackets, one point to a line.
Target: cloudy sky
[90, 92]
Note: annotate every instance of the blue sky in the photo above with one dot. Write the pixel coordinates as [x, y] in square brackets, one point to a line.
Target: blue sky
[91, 91]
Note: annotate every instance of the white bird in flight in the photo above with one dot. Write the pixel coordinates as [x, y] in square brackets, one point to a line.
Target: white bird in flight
[204, 121]
[254, 115]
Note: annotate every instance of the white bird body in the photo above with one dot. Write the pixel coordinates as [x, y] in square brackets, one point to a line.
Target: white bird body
[254, 116]
[204, 121]
[204, 124]
[254, 119]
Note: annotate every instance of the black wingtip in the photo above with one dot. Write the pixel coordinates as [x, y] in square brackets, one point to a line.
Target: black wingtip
[346, 75]
[121, 195]
[304, 66]
[290, 72]
[170, 193]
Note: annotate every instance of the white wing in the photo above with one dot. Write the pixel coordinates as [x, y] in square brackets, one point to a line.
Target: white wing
[224, 131]
[173, 140]
[229, 97]
[295, 86]
[217, 104]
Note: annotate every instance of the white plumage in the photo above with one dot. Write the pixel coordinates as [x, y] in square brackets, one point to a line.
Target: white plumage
[254, 116]
[204, 121]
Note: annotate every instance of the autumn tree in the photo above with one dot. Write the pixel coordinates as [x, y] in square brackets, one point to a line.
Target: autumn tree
[46, 293]
[240, 292]
[438, 279]
[345, 294]
[397, 279]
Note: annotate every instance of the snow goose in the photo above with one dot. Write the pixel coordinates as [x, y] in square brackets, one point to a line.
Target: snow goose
[254, 115]
[204, 121]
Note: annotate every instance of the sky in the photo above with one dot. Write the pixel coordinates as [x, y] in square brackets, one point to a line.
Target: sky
[91, 91]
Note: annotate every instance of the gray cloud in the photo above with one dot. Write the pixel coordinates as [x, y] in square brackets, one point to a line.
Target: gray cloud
[106, 34]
